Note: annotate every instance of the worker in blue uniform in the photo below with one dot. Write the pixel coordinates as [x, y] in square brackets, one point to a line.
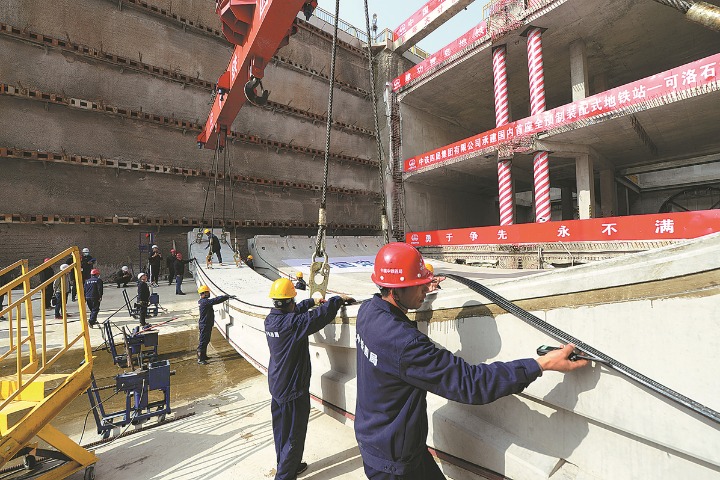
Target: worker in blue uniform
[397, 365]
[93, 288]
[87, 263]
[300, 281]
[213, 244]
[207, 320]
[143, 298]
[287, 328]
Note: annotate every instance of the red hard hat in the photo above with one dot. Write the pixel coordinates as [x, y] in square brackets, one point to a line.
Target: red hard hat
[172, 250]
[94, 271]
[399, 265]
[46, 260]
[179, 256]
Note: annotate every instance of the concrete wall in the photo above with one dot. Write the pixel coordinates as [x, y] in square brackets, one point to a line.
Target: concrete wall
[429, 208]
[35, 187]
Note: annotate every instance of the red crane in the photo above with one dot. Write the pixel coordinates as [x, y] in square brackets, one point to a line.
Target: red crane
[258, 28]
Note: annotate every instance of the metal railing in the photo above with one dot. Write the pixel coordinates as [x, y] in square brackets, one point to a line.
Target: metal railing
[22, 339]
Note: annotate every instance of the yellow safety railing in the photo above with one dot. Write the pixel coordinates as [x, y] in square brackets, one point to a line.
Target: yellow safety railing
[34, 344]
[21, 334]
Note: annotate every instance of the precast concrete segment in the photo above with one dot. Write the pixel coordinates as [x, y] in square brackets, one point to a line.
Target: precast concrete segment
[502, 117]
[179, 124]
[89, 161]
[541, 169]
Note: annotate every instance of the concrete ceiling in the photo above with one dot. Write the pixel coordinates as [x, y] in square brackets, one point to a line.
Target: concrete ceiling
[626, 41]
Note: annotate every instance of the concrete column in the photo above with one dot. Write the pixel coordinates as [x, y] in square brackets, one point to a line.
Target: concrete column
[585, 186]
[566, 202]
[579, 71]
[608, 193]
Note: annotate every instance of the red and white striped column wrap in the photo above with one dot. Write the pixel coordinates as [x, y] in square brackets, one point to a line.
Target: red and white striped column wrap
[537, 105]
[502, 117]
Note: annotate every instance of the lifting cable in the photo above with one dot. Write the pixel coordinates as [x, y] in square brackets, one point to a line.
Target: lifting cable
[383, 206]
[699, 12]
[317, 268]
[216, 168]
[564, 337]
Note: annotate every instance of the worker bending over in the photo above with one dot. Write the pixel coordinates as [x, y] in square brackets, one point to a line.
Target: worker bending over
[397, 365]
[287, 328]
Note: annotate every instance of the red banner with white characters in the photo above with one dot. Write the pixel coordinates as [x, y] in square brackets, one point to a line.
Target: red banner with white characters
[660, 226]
[418, 20]
[470, 37]
[692, 75]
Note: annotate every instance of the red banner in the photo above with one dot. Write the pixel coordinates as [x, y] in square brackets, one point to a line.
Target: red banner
[429, 12]
[660, 226]
[470, 37]
[692, 75]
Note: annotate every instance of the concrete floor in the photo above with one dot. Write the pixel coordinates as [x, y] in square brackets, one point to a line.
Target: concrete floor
[228, 437]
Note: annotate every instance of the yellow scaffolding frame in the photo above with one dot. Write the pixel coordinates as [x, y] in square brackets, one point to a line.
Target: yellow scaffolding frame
[24, 393]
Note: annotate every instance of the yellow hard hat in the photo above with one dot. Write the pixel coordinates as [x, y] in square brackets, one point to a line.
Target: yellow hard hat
[249, 257]
[207, 230]
[430, 267]
[203, 288]
[298, 275]
[282, 288]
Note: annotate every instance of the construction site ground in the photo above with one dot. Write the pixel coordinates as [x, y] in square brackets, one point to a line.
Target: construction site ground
[229, 435]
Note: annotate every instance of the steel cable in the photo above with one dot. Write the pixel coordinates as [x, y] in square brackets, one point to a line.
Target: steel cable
[322, 222]
[383, 207]
[562, 336]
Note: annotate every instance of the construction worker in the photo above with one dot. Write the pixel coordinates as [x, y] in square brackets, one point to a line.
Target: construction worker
[435, 284]
[44, 276]
[155, 261]
[58, 293]
[143, 296]
[249, 262]
[87, 263]
[170, 264]
[287, 328]
[207, 320]
[299, 282]
[397, 365]
[213, 244]
[180, 272]
[93, 295]
[123, 276]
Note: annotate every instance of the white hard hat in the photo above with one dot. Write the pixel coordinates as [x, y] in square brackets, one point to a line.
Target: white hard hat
[140, 275]
[125, 269]
[155, 246]
[85, 250]
[64, 266]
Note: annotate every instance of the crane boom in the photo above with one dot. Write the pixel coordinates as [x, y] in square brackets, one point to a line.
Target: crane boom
[258, 28]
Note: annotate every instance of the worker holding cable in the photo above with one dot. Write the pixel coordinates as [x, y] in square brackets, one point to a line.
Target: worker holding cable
[287, 328]
[397, 365]
[207, 320]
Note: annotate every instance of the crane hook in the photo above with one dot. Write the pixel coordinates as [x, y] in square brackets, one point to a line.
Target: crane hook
[251, 92]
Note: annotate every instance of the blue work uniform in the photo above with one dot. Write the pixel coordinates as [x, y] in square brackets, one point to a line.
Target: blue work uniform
[93, 296]
[207, 322]
[87, 263]
[214, 244]
[289, 377]
[143, 297]
[396, 366]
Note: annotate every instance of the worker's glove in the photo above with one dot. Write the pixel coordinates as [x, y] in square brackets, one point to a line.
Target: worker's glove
[347, 300]
[318, 297]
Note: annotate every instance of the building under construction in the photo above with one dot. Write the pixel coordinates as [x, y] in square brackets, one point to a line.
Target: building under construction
[102, 103]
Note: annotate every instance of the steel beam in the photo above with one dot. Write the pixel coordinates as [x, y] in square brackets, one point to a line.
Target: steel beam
[425, 21]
